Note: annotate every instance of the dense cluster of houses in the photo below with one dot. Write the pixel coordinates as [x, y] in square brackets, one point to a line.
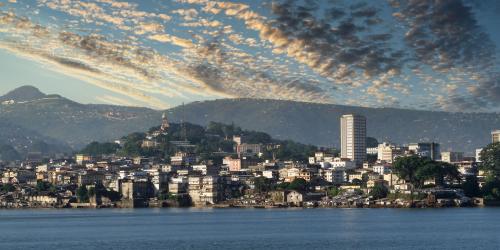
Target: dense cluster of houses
[148, 182]
[185, 180]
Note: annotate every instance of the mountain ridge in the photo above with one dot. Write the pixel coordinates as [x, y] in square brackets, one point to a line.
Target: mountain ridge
[78, 124]
[23, 94]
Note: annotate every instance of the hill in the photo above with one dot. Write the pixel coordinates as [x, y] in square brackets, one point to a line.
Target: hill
[22, 94]
[318, 124]
[210, 143]
[16, 142]
[76, 124]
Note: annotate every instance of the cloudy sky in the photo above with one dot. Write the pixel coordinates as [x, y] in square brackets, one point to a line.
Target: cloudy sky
[421, 54]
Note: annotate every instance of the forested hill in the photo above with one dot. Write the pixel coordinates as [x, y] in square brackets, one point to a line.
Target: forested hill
[75, 124]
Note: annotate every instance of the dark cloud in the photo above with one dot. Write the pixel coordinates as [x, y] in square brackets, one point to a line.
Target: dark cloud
[445, 33]
[208, 74]
[304, 86]
[116, 53]
[72, 63]
[342, 39]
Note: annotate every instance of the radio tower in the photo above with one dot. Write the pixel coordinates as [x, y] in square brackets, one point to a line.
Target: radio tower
[183, 125]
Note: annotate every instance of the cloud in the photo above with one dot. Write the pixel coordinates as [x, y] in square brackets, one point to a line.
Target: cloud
[113, 100]
[380, 53]
[166, 38]
[445, 34]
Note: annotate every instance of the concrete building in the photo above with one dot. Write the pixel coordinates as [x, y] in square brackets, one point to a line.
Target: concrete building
[81, 158]
[452, 156]
[426, 149]
[478, 154]
[381, 169]
[90, 178]
[342, 163]
[353, 137]
[388, 152]
[204, 190]
[495, 136]
[246, 149]
[337, 176]
[135, 193]
[239, 163]
[183, 159]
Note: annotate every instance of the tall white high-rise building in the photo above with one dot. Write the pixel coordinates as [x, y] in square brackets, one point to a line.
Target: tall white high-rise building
[353, 137]
[495, 136]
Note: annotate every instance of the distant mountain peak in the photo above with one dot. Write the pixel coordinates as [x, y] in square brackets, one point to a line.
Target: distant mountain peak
[23, 94]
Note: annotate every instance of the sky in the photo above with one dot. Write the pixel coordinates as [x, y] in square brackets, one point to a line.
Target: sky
[418, 54]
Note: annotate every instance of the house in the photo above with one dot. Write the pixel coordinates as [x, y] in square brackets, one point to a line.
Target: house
[297, 199]
[203, 190]
[337, 175]
[44, 200]
[279, 197]
[90, 178]
[382, 168]
[373, 183]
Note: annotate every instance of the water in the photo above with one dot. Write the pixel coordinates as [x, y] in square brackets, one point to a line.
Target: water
[457, 228]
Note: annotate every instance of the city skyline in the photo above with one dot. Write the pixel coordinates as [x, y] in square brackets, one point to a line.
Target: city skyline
[159, 54]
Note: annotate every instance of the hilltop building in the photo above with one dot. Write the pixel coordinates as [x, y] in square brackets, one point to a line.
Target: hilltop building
[164, 123]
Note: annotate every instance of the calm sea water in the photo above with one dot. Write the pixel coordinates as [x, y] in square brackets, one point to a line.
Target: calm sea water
[457, 228]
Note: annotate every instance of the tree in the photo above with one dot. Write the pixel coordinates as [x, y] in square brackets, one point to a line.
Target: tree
[490, 159]
[437, 171]
[7, 187]
[490, 188]
[43, 186]
[298, 184]
[379, 191]
[406, 168]
[283, 186]
[334, 191]
[262, 184]
[98, 149]
[471, 186]
[83, 194]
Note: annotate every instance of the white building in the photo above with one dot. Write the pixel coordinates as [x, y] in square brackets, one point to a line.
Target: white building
[495, 136]
[353, 138]
[478, 154]
[270, 174]
[342, 163]
[452, 156]
[336, 176]
[388, 152]
[382, 169]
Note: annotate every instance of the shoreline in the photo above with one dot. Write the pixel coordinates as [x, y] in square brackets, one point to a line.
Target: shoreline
[221, 207]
